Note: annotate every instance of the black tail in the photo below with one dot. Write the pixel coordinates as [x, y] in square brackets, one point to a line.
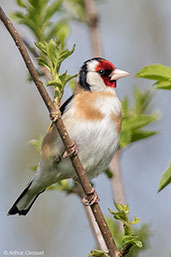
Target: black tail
[24, 202]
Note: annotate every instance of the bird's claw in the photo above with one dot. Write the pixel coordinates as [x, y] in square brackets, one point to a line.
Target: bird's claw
[91, 198]
[54, 115]
[73, 150]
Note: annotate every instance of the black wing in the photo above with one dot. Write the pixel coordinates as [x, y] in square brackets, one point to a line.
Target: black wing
[64, 105]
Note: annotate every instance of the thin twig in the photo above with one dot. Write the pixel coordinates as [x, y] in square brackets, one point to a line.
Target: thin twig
[87, 188]
[116, 180]
[93, 24]
[101, 245]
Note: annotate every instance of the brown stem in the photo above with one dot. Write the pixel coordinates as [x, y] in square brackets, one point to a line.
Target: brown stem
[93, 24]
[101, 245]
[87, 188]
[116, 181]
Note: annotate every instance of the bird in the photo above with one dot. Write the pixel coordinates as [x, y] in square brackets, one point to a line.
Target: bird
[92, 116]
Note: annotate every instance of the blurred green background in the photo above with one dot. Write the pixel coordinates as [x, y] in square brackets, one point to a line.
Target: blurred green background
[134, 34]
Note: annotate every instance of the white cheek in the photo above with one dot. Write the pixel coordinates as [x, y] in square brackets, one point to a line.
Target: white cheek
[95, 81]
[92, 65]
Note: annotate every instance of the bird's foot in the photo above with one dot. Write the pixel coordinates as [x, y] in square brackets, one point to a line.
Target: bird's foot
[91, 198]
[54, 116]
[73, 150]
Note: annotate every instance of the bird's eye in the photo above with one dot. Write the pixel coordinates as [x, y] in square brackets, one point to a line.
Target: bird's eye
[104, 73]
[101, 72]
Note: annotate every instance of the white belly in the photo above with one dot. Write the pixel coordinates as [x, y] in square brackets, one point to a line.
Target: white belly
[96, 144]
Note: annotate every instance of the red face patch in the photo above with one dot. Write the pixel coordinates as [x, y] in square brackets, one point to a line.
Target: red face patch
[105, 65]
[108, 82]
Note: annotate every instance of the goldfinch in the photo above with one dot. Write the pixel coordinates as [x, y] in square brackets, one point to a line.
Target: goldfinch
[92, 116]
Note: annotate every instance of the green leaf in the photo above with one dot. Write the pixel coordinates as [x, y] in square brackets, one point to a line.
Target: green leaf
[155, 72]
[60, 31]
[54, 7]
[38, 15]
[41, 46]
[165, 179]
[132, 240]
[163, 85]
[111, 211]
[72, 84]
[121, 215]
[36, 143]
[54, 83]
[52, 51]
[21, 4]
[62, 185]
[125, 109]
[142, 101]
[138, 243]
[66, 53]
[97, 253]
[65, 78]
[125, 137]
[121, 207]
[138, 122]
[34, 168]
[43, 62]
[136, 220]
[140, 134]
[77, 9]
[108, 173]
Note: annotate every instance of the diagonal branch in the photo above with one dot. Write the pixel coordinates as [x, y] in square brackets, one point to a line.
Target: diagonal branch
[87, 188]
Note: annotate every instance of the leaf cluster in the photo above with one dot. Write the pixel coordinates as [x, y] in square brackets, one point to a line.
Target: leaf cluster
[158, 72]
[38, 17]
[135, 118]
[129, 238]
[53, 56]
[51, 34]
[143, 232]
